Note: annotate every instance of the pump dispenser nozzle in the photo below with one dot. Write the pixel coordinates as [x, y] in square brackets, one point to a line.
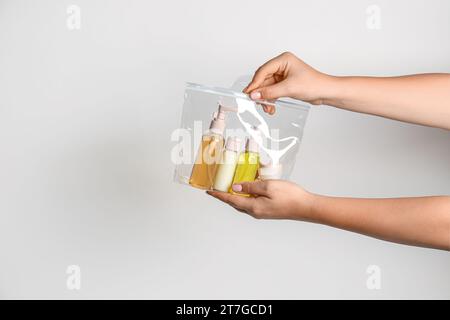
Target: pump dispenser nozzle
[218, 121]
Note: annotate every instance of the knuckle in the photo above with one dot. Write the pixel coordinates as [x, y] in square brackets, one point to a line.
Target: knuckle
[269, 186]
[287, 54]
[256, 216]
[256, 210]
[245, 187]
[266, 92]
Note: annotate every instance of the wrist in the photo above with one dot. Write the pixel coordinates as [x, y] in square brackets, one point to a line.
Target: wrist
[334, 89]
[307, 206]
[315, 205]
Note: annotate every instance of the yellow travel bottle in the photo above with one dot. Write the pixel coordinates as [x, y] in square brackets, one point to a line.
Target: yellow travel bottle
[248, 164]
[209, 153]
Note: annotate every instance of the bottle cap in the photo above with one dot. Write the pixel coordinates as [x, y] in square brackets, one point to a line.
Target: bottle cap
[233, 144]
[270, 171]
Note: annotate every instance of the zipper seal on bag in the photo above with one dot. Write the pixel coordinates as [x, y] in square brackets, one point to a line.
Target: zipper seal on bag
[295, 104]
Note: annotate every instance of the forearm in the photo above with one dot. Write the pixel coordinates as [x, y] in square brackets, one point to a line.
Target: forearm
[422, 99]
[421, 221]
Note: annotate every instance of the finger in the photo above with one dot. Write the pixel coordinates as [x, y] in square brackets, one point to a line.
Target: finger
[268, 108]
[271, 110]
[267, 82]
[238, 202]
[265, 72]
[257, 188]
[274, 91]
[316, 102]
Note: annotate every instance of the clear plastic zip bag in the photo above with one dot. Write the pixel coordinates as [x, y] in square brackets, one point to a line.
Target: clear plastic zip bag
[226, 138]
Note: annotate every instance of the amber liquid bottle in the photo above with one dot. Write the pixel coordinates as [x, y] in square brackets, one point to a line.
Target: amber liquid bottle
[209, 153]
[207, 160]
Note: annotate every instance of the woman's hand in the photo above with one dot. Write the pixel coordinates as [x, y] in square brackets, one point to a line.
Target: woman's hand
[288, 76]
[422, 98]
[270, 199]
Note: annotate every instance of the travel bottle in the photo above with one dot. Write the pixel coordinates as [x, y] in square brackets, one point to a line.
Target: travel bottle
[227, 166]
[209, 153]
[270, 171]
[248, 164]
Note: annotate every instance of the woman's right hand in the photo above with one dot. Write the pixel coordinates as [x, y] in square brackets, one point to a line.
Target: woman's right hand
[288, 76]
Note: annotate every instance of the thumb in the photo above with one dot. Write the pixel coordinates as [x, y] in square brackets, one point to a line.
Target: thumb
[258, 187]
[274, 91]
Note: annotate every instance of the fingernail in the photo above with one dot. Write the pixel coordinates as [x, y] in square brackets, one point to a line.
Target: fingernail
[255, 95]
[237, 187]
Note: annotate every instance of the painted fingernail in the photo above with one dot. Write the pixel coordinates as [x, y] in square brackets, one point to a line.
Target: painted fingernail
[255, 95]
[237, 187]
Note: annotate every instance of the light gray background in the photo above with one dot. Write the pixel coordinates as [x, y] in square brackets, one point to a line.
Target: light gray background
[85, 171]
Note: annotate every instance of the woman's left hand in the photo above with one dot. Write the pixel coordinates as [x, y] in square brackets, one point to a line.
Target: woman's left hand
[270, 199]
